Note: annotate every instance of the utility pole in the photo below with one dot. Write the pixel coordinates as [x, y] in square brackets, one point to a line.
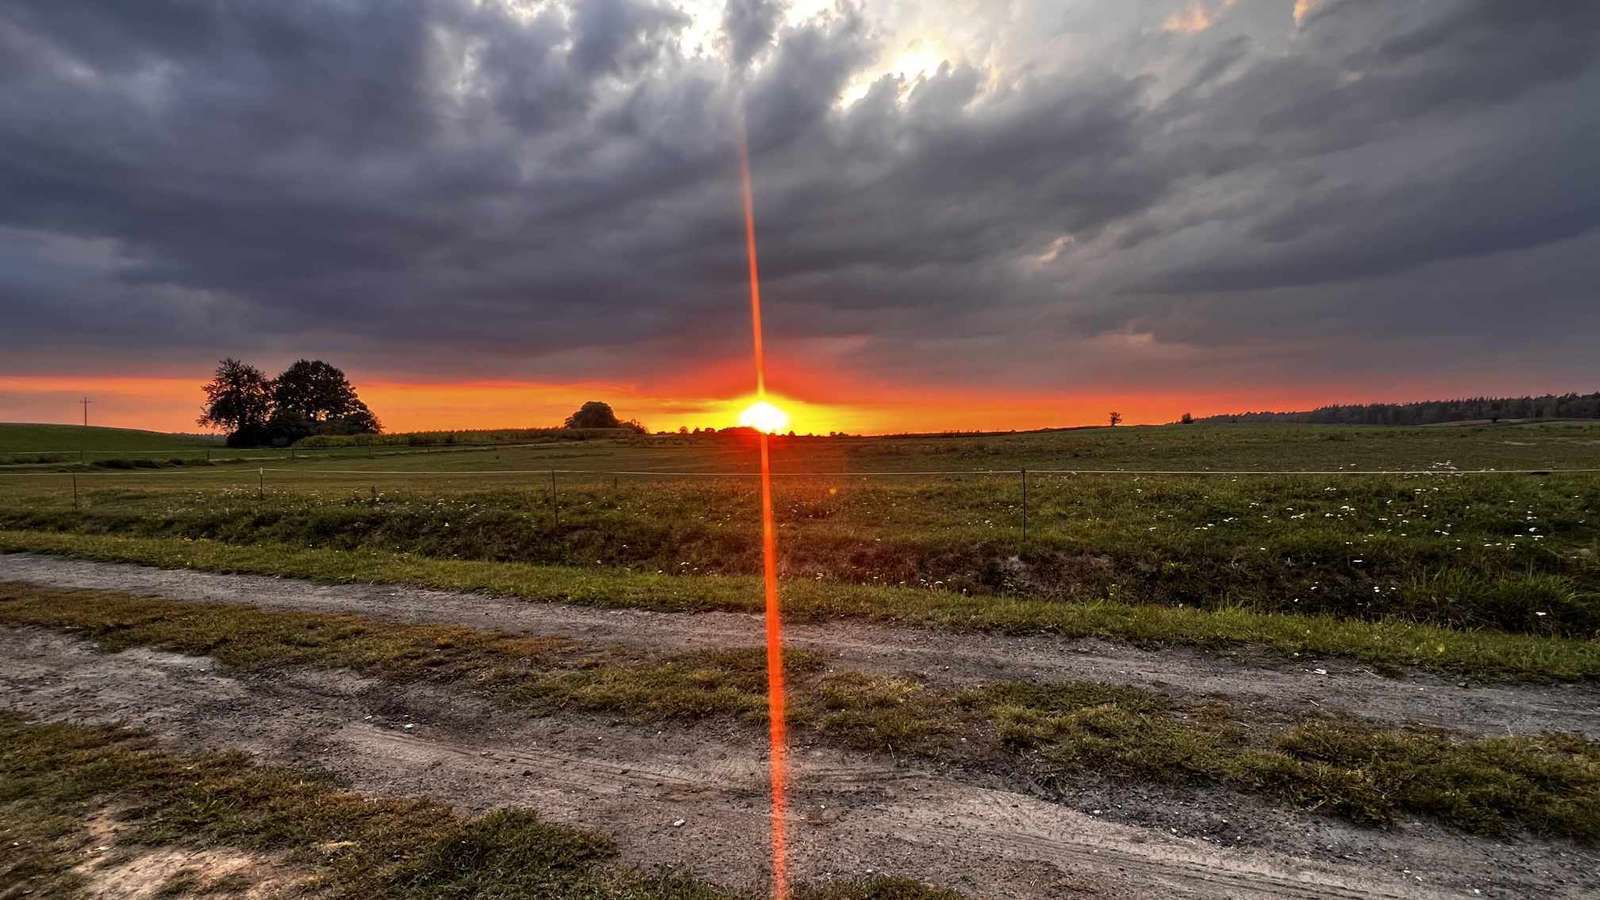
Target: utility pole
[83, 452]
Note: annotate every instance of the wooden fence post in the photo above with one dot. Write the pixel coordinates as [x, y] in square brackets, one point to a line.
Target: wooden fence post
[1024, 506]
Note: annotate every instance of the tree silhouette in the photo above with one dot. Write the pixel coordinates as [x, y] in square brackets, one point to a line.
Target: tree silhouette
[238, 400]
[594, 414]
[310, 397]
[313, 397]
[1489, 409]
[1116, 418]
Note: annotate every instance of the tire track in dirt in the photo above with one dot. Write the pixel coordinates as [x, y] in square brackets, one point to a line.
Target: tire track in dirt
[692, 800]
[1270, 684]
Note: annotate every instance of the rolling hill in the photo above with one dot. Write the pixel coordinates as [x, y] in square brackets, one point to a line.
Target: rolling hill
[23, 437]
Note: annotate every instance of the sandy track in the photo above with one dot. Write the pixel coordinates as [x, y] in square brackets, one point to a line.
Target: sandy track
[851, 814]
[1268, 684]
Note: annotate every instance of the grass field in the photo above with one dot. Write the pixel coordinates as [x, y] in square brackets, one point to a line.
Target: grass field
[25, 447]
[18, 437]
[1509, 552]
[1255, 549]
[24, 443]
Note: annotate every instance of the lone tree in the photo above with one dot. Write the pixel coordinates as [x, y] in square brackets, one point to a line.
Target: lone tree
[594, 414]
[1116, 419]
[313, 397]
[238, 401]
[1188, 419]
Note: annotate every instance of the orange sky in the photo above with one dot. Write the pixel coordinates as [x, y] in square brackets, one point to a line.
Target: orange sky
[171, 404]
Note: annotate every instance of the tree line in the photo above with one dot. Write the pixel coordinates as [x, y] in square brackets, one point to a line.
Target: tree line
[1431, 412]
[310, 397]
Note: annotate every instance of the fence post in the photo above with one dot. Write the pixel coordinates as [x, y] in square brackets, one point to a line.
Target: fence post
[261, 483]
[555, 505]
[1024, 505]
[74, 490]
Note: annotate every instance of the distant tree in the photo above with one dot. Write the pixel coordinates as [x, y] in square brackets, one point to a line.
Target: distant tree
[1188, 419]
[594, 414]
[683, 429]
[1116, 419]
[239, 401]
[1549, 406]
[313, 397]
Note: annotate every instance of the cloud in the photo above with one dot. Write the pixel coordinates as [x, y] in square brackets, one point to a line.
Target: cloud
[465, 189]
[1197, 16]
[615, 36]
[750, 27]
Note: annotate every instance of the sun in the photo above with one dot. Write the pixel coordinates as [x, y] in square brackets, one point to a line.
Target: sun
[763, 416]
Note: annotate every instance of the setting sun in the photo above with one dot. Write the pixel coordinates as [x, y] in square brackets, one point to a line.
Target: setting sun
[763, 416]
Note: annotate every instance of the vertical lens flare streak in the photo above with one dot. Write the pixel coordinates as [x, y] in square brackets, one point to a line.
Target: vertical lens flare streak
[769, 553]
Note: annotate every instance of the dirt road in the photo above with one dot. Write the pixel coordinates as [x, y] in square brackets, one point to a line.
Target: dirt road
[1262, 682]
[853, 813]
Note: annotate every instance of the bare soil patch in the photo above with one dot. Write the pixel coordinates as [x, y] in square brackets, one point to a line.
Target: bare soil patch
[167, 872]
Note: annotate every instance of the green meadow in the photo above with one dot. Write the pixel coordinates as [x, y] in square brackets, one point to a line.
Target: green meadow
[1512, 553]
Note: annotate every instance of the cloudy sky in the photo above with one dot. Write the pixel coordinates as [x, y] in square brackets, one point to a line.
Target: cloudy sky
[972, 213]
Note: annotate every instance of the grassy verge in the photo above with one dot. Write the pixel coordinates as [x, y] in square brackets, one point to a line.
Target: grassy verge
[1518, 554]
[1382, 643]
[344, 845]
[1548, 784]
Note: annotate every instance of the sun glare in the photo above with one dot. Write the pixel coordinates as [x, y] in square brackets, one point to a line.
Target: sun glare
[763, 416]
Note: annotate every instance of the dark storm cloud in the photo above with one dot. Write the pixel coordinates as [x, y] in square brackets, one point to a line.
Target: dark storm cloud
[612, 36]
[548, 189]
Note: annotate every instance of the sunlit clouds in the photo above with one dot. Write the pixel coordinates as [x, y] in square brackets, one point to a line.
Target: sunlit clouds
[1199, 15]
[973, 214]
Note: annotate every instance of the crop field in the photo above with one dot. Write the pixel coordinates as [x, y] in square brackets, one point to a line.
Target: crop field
[1214, 659]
